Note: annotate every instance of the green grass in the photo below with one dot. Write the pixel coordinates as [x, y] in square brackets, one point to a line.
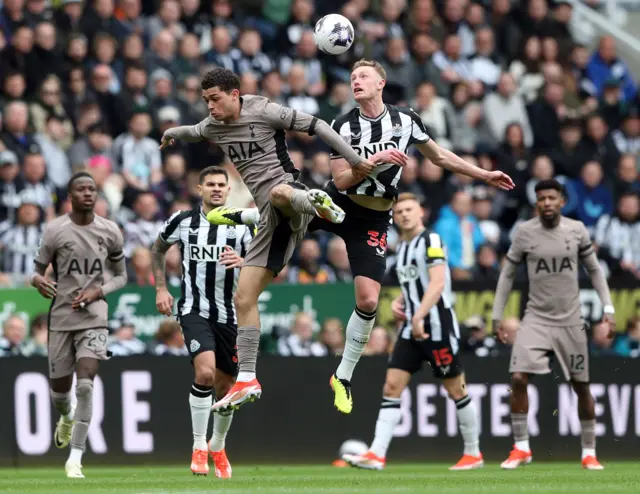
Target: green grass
[428, 478]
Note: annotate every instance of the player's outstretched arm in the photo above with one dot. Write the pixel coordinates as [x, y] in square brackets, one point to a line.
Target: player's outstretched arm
[452, 162]
[187, 133]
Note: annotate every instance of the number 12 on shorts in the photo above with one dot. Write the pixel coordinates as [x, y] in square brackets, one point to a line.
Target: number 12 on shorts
[442, 357]
[577, 362]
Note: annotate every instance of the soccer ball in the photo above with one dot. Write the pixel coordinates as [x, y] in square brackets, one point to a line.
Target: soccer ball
[352, 447]
[333, 34]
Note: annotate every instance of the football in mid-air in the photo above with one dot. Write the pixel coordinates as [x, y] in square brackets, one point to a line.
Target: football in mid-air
[333, 34]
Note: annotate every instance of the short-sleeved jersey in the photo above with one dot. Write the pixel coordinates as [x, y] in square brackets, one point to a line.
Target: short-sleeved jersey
[552, 256]
[413, 261]
[395, 128]
[207, 286]
[255, 143]
[78, 255]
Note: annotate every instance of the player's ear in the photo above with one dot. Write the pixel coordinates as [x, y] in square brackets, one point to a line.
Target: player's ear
[382, 83]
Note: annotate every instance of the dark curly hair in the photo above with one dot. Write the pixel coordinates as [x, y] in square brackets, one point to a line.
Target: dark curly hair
[225, 79]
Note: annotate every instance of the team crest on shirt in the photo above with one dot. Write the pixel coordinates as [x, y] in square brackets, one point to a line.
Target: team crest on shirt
[396, 131]
[231, 233]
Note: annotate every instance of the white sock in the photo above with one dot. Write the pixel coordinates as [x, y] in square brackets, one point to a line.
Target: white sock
[250, 216]
[358, 330]
[69, 416]
[221, 425]
[468, 425]
[588, 452]
[245, 377]
[75, 456]
[523, 445]
[200, 401]
[388, 418]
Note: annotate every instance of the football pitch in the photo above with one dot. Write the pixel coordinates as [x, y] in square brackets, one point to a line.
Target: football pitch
[415, 478]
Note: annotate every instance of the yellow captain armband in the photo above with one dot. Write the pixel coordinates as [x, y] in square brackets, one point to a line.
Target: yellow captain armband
[435, 252]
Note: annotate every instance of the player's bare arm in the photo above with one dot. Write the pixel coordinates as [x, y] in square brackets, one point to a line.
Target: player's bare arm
[397, 308]
[45, 287]
[437, 278]
[505, 283]
[345, 175]
[164, 300]
[450, 161]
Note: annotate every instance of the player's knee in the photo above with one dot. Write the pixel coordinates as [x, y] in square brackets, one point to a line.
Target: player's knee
[243, 301]
[205, 375]
[84, 389]
[519, 382]
[279, 196]
[392, 389]
[367, 303]
[457, 391]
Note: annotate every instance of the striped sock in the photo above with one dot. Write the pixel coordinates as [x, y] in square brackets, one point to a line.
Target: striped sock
[388, 419]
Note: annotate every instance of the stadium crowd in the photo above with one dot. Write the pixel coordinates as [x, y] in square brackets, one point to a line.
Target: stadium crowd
[93, 85]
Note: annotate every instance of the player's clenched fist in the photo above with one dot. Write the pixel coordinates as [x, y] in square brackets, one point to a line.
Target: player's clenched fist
[164, 302]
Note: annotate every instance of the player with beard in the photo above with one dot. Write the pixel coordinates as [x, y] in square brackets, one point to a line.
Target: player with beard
[78, 246]
[211, 260]
[553, 248]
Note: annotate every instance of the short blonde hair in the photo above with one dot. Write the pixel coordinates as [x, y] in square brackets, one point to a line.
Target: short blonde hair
[407, 196]
[370, 63]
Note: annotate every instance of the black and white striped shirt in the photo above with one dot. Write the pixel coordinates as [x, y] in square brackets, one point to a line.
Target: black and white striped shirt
[19, 244]
[396, 127]
[619, 239]
[207, 287]
[414, 259]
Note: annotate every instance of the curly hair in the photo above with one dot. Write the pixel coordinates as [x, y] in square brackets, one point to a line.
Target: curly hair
[225, 79]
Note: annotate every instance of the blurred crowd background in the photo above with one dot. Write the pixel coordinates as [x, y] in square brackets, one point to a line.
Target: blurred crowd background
[92, 85]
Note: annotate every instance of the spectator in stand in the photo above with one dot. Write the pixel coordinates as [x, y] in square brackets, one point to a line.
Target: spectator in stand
[569, 155]
[173, 267]
[306, 55]
[483, 212]
[9, 187]
[302, 19]
[505, 107]
[379, 342]
[487, 268]
[627, 175]
[628, 345]
[460, 233]
[310, 267]
[36, 184]
[172, 186]
[299, 342]
[248, 57]
[143, 228]
[598, 142]
[338, 259]
[478, 342]
[14, 333]
[123, 342]
[627, 137]
[272, 88]
[140, 269]
[589, 196]
[527, 69]
[57, 162]
[332, 336]
[514, 156]
[545, 114]
[19, 240]
[436, 113]
[37, 344]
[408, 179]
[605, 64]
[169, 340]
[318, 174]
[617, 237]
[16, 135]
